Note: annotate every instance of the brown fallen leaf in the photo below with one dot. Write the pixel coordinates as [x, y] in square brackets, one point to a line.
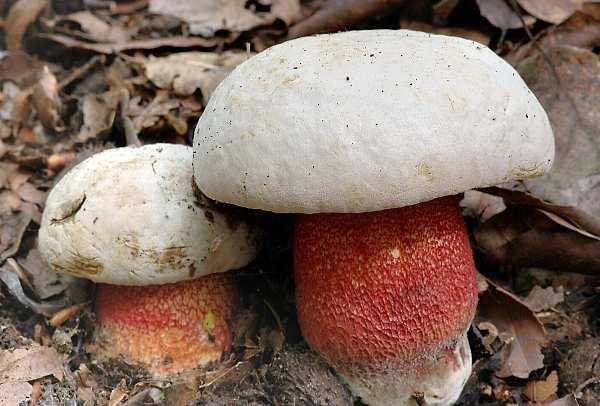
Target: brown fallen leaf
[99, 112]
[539, 391]
[118, 393]
[185, 72]
[502, 16]
[146, 44]
[95, 28]
[552, 11]
[573, 215]
[36, 393]
[21, 15]
[20, 68]
[540, 299]
[513, 318]
[209, 16]
[473, 35]
[12, 228]
[46, 100]
[29, 193]
[46, 283]
[526, 237]
[566, 81]
[28, 364]
[336, 15]
[14, 393]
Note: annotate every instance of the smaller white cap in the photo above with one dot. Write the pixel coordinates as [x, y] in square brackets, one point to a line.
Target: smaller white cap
[129, 216]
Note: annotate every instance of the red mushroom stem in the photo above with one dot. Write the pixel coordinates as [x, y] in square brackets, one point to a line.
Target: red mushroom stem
[166, 328]
[387, 293]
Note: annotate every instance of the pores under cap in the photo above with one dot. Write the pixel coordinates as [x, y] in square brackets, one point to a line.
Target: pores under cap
[368, 120]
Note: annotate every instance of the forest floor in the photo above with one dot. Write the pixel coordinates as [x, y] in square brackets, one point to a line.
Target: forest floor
[80, 76]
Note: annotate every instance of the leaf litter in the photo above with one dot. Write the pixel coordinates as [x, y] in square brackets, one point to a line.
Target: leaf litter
[130, 73]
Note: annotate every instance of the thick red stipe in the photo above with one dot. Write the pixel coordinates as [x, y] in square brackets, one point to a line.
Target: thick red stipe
[384, 290]
[166, 328]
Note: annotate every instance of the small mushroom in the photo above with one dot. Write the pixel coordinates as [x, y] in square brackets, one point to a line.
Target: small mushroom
[127, 218]
[377, 131]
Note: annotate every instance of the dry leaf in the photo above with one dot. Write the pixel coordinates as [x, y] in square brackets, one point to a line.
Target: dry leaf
[566, 80]
[538, 391]
[28, 364]
[13, 393]
[154, 43]
[29, 193]
[552, 11]
[209, 16]
[21, 15]
[99, 112]
[12, 227]
[523, 236]
[46, 283]
[575, 216]
[46, 100]
[501, 15]
[542, 299]
[185, 72]
[20, 68]
[97, 29]
[118, 393]
[336, 15]
[511, 316]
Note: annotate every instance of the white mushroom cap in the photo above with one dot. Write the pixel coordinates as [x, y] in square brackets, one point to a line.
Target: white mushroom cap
[128, 216]
[368, 120]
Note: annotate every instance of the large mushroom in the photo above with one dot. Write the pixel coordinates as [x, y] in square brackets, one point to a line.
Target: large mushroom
[129, 217]
[384, 128]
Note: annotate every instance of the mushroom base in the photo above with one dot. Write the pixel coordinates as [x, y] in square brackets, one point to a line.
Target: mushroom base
[385, 297]
[166, 328]
[436, 381]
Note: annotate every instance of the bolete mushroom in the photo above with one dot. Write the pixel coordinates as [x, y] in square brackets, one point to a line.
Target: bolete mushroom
[129, 217]
[377, 131]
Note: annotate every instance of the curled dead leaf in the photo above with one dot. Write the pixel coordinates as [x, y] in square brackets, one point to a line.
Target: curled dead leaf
[46, 100]
[21, 15]
[513, 318]
[524, 236]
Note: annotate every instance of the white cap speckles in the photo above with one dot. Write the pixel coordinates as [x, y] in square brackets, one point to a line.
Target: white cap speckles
[368, 120]
[129, 216]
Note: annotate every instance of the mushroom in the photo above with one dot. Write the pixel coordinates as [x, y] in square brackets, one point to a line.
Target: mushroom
[377, 131]
[129, 217]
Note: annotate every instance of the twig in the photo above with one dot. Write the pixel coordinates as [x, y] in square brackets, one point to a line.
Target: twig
[80, 71]
[206, 385]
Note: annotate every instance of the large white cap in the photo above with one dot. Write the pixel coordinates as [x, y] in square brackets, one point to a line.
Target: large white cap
[129, 216]
[368, 120]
